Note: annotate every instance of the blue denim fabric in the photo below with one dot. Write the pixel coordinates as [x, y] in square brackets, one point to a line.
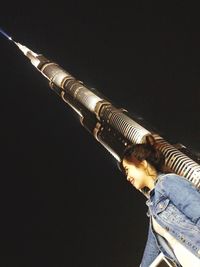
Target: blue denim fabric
[175, 205]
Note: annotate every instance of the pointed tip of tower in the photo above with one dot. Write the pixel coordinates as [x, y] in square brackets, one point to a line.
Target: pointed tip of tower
[25, 49]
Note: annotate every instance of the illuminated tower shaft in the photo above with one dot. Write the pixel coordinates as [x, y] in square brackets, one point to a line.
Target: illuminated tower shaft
[111, 126]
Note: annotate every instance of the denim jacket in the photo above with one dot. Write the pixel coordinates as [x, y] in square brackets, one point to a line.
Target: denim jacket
[175, 204]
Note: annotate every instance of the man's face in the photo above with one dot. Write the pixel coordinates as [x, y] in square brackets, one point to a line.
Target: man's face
[135, 175]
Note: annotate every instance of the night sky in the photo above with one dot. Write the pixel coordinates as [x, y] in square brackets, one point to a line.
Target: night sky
[63, 200]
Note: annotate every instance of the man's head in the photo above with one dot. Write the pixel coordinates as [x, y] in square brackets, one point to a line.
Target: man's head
[141, 163]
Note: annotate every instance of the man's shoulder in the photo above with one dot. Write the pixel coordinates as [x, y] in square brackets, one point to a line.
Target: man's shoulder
[170, 176]
[167, 179]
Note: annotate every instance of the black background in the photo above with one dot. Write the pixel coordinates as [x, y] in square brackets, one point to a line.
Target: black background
[64, 201]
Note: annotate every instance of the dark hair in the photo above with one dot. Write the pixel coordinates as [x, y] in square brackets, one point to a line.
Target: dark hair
[136, 153]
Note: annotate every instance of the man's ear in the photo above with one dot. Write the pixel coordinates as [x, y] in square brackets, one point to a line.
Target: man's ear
[144, 164]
